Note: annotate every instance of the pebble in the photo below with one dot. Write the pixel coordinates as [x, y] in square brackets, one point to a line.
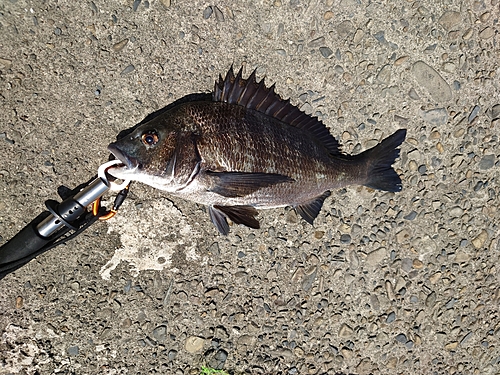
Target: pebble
[495, 111]
[432, 81]
[391, 317]
[325, 52]
[487, 33]
[207, 12]
[345, 28]
[413, 94]
[345, 239]
[384, 76]
[380, 36]
[218, 360]
[474, 113]
[246, 340]
[316, 42]
[480, 240]
[365, 366]
[120, 45]
[430, 301]
[435, 277]
[376, 256]
[461, 257]
[402, 236]
[487, 162]
[485, 17]
[307, 108]
[219, 16]
[6, 63]
[411, 216]
[436, 117]
[319, 234]
[345, 331]
[449, 67]
[417, 264]
[450, 19]
[450, 303]
[194, 344]
[456, 211]
[353, 259]
[73, 351]
[358, 36]
[93, 7]
[160, 333]
[282, 352]
[309, 278]
[19, 302]
[328, 15]
[136, 4]
[466, 338]
[401, 60]
[401, 338]
[389, 289]
[422, 169]
[392, 363]
[172, 353]
[406, 264]
[451, 346]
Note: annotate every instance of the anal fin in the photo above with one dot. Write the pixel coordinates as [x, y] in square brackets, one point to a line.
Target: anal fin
[309, 210]
[219, 220]
[237, 214]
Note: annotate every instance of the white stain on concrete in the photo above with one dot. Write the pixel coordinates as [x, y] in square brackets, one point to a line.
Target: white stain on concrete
[150, 236]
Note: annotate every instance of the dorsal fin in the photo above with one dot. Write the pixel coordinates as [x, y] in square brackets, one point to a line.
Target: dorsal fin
[255, 95]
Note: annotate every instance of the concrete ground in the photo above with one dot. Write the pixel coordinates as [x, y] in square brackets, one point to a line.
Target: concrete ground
[383, 283]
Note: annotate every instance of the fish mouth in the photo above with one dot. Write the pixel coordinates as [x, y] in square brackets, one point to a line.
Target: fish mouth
[127, 161]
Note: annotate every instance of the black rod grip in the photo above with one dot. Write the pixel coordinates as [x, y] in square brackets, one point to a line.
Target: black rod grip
[23, 247]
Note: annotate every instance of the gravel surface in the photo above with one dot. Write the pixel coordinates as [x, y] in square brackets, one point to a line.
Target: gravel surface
[383, 283]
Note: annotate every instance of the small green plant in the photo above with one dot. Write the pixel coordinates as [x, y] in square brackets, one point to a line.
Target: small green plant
[211, 371]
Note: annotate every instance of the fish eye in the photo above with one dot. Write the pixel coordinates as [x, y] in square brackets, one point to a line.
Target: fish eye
[150, 138]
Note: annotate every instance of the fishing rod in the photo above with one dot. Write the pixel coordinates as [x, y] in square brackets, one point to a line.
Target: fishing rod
[63, 221]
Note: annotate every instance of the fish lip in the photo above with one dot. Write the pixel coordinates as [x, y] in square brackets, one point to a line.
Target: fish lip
[128, 162]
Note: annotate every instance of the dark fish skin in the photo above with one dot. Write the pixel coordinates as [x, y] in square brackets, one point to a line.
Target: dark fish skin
[249, 149]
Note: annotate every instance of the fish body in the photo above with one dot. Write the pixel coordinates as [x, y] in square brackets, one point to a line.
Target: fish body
[248, 149]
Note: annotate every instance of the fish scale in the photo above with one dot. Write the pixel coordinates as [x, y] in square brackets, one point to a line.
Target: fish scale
[248, 149]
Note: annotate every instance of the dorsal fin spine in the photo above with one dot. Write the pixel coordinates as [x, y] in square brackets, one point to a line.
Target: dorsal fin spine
[286, 102]
[256, 96]
[271, 109]
[263, 101]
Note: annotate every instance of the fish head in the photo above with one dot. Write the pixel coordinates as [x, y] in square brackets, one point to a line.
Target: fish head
[148, 155]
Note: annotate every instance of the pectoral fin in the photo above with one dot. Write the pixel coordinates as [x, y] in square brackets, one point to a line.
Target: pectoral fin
[240, 184]
[237, 214]
[309, 210]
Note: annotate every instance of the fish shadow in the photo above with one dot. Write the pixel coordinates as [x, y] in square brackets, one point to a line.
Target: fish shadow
[197, 97]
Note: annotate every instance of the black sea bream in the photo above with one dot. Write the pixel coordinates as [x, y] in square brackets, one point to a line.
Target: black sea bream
[248, 149]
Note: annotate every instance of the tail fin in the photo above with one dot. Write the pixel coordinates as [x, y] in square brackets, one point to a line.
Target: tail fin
[379, 160]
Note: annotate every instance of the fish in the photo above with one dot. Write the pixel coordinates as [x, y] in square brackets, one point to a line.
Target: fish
[246, 149]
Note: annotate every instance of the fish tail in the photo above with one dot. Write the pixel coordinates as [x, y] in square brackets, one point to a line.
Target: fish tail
[379, 160]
